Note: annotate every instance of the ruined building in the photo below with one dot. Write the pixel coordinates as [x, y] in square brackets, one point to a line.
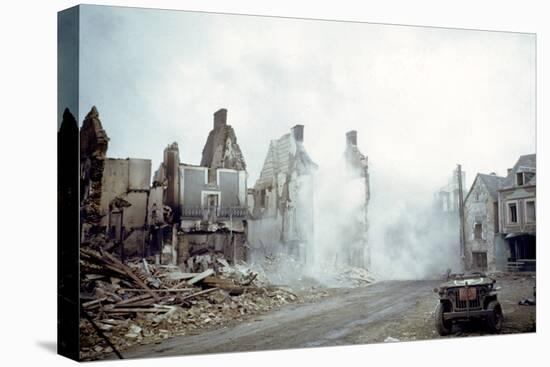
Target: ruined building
[221, 149]
[354, 234]
[447, 198]
[188, 210]
[207, 201]
[484, 246]
[93, 151]
[115, 193]
[281, 203]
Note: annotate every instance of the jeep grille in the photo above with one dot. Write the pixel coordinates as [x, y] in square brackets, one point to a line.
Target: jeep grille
[473, 304]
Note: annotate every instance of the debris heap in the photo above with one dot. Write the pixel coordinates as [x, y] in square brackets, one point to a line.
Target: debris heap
[136, 302]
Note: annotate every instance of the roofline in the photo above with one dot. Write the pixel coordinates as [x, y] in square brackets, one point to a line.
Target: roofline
[516, 187]
[471, 188]
[480, 176]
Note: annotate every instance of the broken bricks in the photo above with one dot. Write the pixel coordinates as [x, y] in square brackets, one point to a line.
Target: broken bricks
[138, 302]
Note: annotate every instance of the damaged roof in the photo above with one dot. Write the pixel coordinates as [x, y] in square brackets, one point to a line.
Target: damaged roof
[221, 149]
[280, 158]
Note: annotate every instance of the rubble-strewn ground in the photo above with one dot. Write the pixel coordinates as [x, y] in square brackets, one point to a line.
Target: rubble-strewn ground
[384, 311]
[139, 303]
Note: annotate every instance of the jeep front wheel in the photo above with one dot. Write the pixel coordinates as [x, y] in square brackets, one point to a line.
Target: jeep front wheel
[495, 318]
[443, 327]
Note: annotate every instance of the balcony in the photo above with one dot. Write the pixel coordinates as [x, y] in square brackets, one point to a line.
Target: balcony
[214, 213]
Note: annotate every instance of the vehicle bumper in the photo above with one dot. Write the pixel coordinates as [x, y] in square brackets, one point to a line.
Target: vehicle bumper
[466, 314]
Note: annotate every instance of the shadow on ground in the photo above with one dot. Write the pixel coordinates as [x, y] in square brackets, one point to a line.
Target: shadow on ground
[48, 345]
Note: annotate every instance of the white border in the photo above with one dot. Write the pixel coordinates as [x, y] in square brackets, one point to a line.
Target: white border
[28, 36]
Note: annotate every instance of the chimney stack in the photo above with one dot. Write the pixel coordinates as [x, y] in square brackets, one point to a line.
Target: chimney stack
[351, 138]
[220, 118]
[298, 133]
[509, 171]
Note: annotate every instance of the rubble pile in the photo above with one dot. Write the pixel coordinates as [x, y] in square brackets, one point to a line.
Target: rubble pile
[139, 303]
[280, 268]
[283, 269]
[353, 277]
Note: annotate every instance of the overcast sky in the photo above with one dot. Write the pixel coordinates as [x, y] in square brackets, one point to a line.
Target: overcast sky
[421, 99]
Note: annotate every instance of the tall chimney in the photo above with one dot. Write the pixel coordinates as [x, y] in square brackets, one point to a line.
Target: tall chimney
[509, 170]
[351, 137]
[220, 118]
[298, 133]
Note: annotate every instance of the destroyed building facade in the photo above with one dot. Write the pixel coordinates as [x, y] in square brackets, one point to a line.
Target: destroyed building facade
[93, 153]
[281, 202]
[485, 249]
[207, 201]
[188, 210]
[115, 193]
[354, 234]
[124, 202]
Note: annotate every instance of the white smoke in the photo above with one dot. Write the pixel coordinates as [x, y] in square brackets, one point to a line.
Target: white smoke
[410, 237]
[339, 200]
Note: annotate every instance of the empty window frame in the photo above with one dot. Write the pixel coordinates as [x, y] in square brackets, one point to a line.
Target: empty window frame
[530, 211]
[263, 199]
[527, 176]
[512, 212]
[478, 231]
[519, 178]
[479, 261]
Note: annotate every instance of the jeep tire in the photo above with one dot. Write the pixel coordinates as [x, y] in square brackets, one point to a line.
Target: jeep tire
[443, 327]
[495, 318]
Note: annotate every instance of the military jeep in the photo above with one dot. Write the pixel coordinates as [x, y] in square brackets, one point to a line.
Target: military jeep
[464, 297]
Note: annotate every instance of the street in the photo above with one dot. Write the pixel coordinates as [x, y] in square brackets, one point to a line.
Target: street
[398, 309]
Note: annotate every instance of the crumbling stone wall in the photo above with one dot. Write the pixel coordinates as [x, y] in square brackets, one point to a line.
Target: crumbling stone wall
[221, 149]
[111, 185]
[282, 214]
[128, 181]
[185, 187]
[93, 150]
[354, 236]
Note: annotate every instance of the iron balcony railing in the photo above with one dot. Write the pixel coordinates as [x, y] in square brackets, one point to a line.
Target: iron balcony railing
[214, 212]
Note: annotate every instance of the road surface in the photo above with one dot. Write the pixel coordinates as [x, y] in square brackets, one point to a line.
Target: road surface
[348, 316]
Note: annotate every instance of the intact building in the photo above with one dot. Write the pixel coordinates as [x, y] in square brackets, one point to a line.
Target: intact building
[485, 248]
[517, 213]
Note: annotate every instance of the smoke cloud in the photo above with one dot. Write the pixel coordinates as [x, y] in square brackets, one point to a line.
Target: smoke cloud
[421, 99]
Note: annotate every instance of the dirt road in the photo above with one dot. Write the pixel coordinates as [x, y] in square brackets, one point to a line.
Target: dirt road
[403, 310]
[348, 316]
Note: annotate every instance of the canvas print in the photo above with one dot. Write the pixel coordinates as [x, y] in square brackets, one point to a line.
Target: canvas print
[233, 183]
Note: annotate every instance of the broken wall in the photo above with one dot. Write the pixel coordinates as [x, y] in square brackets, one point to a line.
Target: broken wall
[281, 217]
[93, 150]
[356, 250]
[221, 149]
[127, 179]
[213, 196]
